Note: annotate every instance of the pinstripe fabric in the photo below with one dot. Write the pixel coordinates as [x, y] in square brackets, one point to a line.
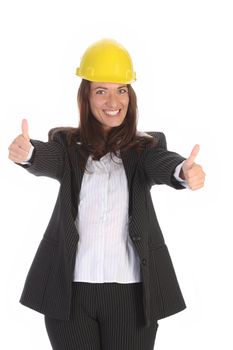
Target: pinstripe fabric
[104, 316]
[105, 251]
[48, 286]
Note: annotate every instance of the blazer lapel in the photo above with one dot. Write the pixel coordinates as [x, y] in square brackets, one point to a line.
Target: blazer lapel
[130, 161]
[76, 177]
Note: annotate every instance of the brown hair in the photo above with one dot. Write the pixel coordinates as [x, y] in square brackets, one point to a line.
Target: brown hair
[91, 135]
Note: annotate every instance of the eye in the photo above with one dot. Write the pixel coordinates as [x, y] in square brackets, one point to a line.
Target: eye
[123, 91]
[100, 92]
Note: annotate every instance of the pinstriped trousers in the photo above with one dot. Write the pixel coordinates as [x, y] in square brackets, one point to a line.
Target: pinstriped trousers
[104, 316]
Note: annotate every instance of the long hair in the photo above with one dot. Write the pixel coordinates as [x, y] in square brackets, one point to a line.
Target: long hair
[91, 136]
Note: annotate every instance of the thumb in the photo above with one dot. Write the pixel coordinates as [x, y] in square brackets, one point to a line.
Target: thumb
[24, 128]
[190, 160]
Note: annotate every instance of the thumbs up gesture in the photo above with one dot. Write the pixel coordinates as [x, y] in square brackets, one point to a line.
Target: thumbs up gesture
[192, 172]
[19, 148]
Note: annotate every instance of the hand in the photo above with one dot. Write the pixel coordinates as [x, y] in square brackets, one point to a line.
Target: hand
[192, 172]
[19, 148]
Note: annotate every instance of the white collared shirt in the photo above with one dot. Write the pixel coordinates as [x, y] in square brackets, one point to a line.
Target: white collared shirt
[105, 251]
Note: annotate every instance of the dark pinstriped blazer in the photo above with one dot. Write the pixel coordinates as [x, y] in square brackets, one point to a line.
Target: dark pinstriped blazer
[47, 288]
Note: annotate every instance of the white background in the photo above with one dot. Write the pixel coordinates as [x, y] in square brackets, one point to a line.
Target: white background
[182, 53]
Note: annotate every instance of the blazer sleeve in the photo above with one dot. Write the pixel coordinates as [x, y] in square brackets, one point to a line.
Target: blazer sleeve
[159, 163]
[48, 158]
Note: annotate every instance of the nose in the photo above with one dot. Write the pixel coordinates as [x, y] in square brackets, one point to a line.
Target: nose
[112, 101]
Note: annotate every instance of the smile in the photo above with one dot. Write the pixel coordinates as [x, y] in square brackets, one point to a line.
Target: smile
[112, 113]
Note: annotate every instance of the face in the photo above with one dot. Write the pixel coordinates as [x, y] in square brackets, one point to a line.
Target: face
[109, 103]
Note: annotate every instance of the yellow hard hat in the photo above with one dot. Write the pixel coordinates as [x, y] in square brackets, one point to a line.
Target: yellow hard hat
[106, 61]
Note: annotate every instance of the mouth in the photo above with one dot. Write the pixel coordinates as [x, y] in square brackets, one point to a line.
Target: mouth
[112, 113]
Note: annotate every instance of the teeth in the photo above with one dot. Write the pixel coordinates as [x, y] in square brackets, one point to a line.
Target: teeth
[112, 112]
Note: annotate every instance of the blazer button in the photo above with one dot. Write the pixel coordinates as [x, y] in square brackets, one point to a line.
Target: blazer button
[144, 261]
[136, 238]
[130, 218]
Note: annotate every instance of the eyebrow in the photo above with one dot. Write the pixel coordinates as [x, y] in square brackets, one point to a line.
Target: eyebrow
[104, 88]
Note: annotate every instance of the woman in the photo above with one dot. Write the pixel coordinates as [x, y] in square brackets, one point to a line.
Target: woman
[102, 274]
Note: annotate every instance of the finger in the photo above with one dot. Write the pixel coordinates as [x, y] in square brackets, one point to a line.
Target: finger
[15, 157]
[19, 151]
[190, 160]
[21, 143]
[197, 186]
[24, 127]
[196, 180]
[195, 170]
